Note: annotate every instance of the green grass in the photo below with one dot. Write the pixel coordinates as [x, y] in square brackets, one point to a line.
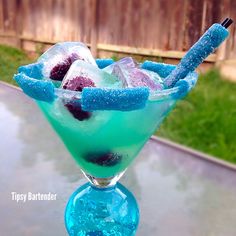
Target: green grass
[204, 120]
[10, 60]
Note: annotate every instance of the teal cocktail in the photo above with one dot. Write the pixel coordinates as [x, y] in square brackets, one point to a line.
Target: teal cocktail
[107, 142]
[105, 112]
[104, 143]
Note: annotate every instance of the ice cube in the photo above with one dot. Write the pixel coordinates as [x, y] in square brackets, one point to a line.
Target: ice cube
[82, 74]
[154, 76]
[118, 72]
[118, 68]
[130, 74]
[142, 78]
[126, 63]
[58, 59]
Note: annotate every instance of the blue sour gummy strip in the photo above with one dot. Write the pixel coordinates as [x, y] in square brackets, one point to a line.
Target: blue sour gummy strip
[114, 99]
[161, 69]
[32, 70]
[209, 41]
[37, 89]
[185, 85]
[102, 63]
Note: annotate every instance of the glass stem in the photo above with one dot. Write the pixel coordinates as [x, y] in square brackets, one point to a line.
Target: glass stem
[103, 182]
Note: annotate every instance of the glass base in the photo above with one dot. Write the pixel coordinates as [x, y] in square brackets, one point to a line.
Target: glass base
[93, 211]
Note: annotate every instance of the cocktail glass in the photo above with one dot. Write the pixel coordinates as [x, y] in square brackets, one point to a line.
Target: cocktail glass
[104, 145]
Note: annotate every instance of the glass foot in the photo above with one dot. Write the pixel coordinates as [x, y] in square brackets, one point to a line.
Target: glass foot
[95, 211]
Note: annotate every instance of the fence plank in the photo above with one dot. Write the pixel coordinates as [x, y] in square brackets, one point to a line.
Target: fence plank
[161, 25]
[232, 39]
[1, 17]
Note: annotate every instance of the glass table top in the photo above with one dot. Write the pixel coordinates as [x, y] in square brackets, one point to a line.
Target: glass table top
[178, 194]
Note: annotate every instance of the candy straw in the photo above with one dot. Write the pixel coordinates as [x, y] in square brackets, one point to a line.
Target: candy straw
[207, 44]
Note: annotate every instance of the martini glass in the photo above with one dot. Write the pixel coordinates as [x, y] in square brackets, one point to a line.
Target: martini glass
[104, 145]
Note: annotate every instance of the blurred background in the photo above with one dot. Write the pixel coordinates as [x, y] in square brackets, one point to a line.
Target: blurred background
[158, 30]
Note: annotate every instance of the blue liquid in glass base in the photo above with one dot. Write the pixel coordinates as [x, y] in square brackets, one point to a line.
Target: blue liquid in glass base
[95, 211]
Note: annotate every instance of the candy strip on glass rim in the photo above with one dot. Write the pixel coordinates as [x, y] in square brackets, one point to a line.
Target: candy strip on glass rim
[31, 88]
[177, 92]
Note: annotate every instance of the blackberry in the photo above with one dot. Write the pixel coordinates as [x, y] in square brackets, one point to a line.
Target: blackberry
[58, 71]
[78, 83]
[76, 110]
[104, 159]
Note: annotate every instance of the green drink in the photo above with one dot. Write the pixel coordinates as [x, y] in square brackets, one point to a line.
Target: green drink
[104, 117]
[105, 144]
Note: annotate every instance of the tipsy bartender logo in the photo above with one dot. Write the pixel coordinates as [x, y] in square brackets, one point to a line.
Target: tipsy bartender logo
[23, 197]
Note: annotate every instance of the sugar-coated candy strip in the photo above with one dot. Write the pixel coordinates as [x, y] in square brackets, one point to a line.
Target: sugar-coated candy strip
[102, 63]
[185, 85]
[38, 89]
[209, 41]
[114, 99]
[33, 70]
[161, 69]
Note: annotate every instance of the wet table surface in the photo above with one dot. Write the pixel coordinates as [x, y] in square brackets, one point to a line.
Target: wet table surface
[178, 194]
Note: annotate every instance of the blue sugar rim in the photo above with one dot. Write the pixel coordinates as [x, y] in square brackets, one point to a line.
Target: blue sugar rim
[102, 63]
[37, 89]
[30, 80]
[181, 88]
[127, 99]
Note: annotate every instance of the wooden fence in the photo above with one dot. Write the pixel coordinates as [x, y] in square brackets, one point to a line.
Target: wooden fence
[164, 28]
